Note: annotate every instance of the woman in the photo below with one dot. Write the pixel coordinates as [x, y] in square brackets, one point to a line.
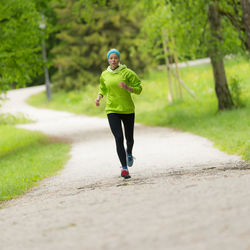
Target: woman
[117, 82]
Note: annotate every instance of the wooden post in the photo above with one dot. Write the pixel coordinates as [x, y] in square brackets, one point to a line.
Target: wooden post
[177, 71]
[166, 52]
[191, 92]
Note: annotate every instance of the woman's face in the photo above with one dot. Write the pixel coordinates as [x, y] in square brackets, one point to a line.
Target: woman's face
[113, 61]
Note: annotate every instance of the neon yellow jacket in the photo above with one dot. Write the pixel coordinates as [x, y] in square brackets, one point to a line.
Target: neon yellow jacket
[119, 100]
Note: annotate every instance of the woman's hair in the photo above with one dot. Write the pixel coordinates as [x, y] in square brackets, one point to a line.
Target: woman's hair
[113, 51]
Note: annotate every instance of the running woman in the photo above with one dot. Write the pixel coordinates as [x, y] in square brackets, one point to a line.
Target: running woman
[117, 82]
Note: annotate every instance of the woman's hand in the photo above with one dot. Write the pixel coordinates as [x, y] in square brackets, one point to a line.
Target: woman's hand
[123, 85]
[97, 100]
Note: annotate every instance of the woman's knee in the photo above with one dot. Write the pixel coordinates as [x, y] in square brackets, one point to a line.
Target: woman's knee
[130, 141]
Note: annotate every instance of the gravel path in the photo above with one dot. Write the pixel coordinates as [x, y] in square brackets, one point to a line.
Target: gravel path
[183, 194]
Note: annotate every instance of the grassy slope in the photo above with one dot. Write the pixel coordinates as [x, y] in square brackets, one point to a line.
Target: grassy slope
[25, 158]
[230, 130]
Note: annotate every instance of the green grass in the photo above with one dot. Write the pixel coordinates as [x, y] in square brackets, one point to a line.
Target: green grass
[25, 158]
[9, 119]
[229, 130]
[79, 102]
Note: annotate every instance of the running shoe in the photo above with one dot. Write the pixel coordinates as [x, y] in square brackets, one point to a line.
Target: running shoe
[130, 160]
[125, 173]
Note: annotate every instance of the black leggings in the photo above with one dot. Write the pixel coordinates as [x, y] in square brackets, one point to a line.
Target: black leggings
[116, 128]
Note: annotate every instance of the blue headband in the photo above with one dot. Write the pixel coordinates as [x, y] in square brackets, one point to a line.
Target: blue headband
[113, 51]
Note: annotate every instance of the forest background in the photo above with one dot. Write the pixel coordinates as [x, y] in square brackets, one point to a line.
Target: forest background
[79, 33]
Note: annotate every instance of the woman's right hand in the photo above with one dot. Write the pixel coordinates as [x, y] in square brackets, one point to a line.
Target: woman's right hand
[97, 102]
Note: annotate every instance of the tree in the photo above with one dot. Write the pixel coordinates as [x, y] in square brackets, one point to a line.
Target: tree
[20, 47]
[238, 13]
[44, 7]
[84, 40]
[199, 30]
[219, 38]
[221, 88]
[246, 20]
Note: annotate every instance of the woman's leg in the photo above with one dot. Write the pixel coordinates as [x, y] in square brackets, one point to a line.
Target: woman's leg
[116, 128]
[128, 121]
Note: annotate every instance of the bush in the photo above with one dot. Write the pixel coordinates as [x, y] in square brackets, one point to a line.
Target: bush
[236, 91]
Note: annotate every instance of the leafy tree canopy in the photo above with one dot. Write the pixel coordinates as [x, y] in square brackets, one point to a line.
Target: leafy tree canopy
[85, 39]
[20, 57]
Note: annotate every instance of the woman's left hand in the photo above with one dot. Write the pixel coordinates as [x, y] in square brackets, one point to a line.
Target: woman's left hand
[123, 85]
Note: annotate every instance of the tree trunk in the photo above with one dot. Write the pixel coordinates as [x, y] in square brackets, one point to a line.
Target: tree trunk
[221, 87]
[246, 20]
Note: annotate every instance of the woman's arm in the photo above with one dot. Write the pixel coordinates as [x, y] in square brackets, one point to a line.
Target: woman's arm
[133, 81]
[98, 99]
[102, 91]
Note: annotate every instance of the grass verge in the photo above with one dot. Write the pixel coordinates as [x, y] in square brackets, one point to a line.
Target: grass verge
[229, 130]
[25, 158]
[9, 119]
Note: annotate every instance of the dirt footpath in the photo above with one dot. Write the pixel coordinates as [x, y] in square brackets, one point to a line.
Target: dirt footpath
[183, 194]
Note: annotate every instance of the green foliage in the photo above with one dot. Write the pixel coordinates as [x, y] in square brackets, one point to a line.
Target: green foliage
[198, 27]
[9, 119]
[20, 47]
[187, 22]
[45, 7]
[232, 12]
[236, 91]
[81, 31]
[188, 29]
[84, 41]
[153, 26]
[175, 18]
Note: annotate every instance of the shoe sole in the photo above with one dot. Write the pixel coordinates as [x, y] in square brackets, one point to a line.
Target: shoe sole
[127, 177]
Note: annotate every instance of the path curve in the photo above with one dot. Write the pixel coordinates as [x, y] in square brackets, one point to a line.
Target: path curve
[183, 194]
